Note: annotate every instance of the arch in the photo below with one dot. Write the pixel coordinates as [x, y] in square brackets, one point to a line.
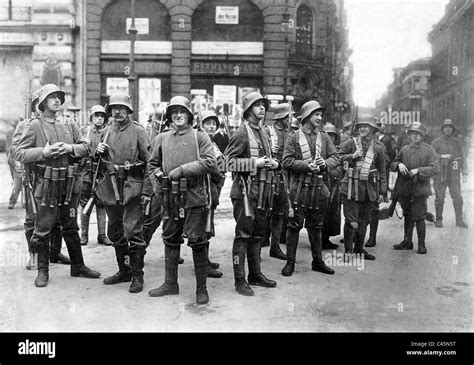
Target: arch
[113, 20]
[304, 30]
[248, 29]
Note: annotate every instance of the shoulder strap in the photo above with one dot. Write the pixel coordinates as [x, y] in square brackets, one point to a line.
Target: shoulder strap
[369, 157]
[252, 142]
[303, 142]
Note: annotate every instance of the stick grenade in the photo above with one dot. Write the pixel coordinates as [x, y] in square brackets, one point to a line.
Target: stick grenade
[47, 181]
[319, 186]
[209, 204]
[113, 179]
[246, 199]
[350, 174]
[165, 186]
[183, 187]
[62, 184]
[313, 191]
[377, 183]
[307, 182]
[175, 194]
[269, 191]
[69, 177]
[356, 184]
[261, 187]
[54, 187]
[298, 190]
[277, 184]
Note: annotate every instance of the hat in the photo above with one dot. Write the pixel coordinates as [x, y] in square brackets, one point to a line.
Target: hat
[34, 99]
[417, 127]
[281, 111]
[448, 123]
[206, 114]
[47, 90]
[96, 109]
[120, 99]
[310, 107]
[179, 101]
[367, 119]
[252, 97]
[330, 128]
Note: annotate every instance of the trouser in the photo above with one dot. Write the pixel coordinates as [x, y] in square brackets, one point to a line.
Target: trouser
[357, 216]
[414, 211]
[312, 220]
[280, 209]
[125, 230]
[249, 233]
[332, 218]
[46, 219]
[153, 220]
[86, 193]
[440, 194]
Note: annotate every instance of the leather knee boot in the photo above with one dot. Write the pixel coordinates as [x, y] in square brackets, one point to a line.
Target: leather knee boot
[33, 256]
[102, 238]
[359, 242]
[55, 255]
[201, 258]
[255, 276]
[170, 286]
[276, 226]
[137, 258]
[407, 243]
[43, 267]
[315, 241]
[292, 238]
[421, 232]
[458, 213]
[439, 215]
[125, 273]
[349, 233]
[374, 225]
[84, 229]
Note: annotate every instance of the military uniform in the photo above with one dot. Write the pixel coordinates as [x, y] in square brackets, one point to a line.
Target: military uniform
[30, 149]
[123, 172]
[94, 134]
[413, 191]
[449, 176]
[185, 155]
[363, 188]
[249, 142]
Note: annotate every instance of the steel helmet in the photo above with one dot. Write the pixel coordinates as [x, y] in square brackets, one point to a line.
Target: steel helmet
[47, 90]
[417, 127]
[34, 100]
[309, 107]
[206, 114]
[448, 123]
[179, 101]
[330, 128]
[367, 119]
[281, 111]
[96, 109]
[294, 123]
[250, 98]
[120, 99]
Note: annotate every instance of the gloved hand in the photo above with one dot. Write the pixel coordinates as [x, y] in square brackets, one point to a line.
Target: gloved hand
[176, 173]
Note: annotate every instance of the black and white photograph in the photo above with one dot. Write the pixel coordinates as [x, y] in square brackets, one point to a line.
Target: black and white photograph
[278, 167]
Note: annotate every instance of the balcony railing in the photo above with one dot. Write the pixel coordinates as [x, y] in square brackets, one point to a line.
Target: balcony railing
[17, 13]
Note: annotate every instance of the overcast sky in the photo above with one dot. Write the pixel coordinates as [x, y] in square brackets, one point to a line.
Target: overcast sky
[384, 34]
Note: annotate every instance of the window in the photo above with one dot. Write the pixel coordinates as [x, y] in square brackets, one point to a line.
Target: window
[304, 31]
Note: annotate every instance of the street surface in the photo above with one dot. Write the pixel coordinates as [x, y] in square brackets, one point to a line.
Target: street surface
[399, 291]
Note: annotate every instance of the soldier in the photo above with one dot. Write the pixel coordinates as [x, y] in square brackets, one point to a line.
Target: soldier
[92, 133]
[122, 188]
[278, 135]
[250, 149]
[415, 164]
[181, 158]
[364, 183]
[452, 159]
[332, 219]
[309, 153]
[53, 147]
[210, 123]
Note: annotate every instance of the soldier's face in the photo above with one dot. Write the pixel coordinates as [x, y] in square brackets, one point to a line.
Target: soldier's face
[415, 137]
[98, 119]
[210, 126]
[316, 118]
[119, 112]
[448, 130]
[364, 130]
[179, 117]
[258, 110]
[53, 102]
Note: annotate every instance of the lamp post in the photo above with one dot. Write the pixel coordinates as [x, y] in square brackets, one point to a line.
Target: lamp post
[132, 79]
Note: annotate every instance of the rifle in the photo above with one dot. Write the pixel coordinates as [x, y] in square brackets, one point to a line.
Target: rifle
[28, 190]
[354, 119]
[393, 204]
[209, 206]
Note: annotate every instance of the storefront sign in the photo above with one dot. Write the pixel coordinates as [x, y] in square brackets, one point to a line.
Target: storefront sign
[16, 38]
[224, 94]
[227, 15]
[226, 68]
[141, 25]
[116, 84]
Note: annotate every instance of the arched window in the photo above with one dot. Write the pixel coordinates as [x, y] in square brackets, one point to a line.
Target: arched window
[304, 31]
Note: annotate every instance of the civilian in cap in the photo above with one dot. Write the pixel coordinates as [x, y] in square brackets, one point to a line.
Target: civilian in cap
[92, 132]
[126, 152]
[416, 163]
[452, 164]
[50, 145]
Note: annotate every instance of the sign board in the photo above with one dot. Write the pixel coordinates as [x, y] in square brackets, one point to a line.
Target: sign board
[116, 84]
[141, 25]
[225, 94]
[227, 15]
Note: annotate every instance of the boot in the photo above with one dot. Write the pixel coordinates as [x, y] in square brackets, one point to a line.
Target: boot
[102, 238]
[43, 267]
[28, 234]
[73, 245]
[292, 237]
[374, 224]
[439, 215]
[243, 287]
[261, 280]
[212, 265]
[170, 286]
[275, 227]
[407, 243]
[328, 245]
[421, 232]
[32, 262]
[137, 257]
[359, 242]
[317, 252]
[349, 233]
[256, 276]
[201, 258]
[124, 275]
[458, 213]
[180, 261]
[84, 229]
[59, 259]
[85, 272]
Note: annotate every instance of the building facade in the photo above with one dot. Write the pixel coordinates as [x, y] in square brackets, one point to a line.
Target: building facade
[451, 93]
[39, 44]
[215, 51]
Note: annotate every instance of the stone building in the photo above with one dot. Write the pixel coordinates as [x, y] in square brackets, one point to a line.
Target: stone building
[451, 93]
